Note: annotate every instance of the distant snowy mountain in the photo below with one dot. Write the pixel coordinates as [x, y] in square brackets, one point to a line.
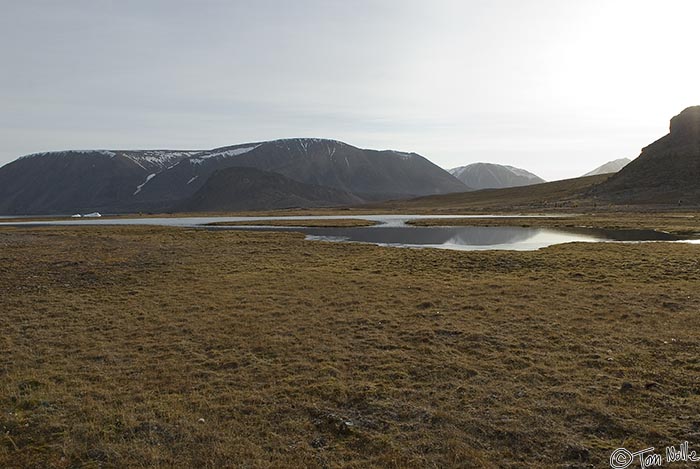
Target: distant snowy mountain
[494, 176]
[610, 167]
[112, 181]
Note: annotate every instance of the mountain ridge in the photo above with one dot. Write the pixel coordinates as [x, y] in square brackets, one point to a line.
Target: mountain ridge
[610, 167]
[483, 175]
[119, 181]
[371, 174]
[666, 172]
[147, 159]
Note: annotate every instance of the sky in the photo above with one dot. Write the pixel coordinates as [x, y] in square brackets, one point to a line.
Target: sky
[557, 87]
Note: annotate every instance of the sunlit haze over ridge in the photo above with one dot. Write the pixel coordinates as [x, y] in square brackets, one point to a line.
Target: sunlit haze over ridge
[555, 87]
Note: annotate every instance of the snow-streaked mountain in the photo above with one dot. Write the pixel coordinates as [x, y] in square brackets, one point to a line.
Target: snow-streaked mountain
[112, 181]
[150, 160]
[68, 182]
[369, 174]
[494, 176]
[609, 167]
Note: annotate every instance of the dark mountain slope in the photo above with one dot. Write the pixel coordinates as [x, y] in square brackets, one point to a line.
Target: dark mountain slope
[79, 180]
[239, 188]
[666, 172]
[68, 182]
[372, 175]
[566, 193]
[158, 180]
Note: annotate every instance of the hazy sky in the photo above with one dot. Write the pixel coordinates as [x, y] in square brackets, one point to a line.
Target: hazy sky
[554, 86]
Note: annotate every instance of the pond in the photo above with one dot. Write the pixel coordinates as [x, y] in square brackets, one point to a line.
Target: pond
[392, 230]
[469, 238]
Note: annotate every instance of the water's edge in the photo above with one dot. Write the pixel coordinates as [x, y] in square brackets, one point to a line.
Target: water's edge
[393, 230]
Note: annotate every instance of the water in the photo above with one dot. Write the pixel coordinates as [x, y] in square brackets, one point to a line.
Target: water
[470, 238]
[384, 220]
[392, 230]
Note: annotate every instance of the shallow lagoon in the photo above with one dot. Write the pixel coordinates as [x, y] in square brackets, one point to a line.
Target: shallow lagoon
[392, 230]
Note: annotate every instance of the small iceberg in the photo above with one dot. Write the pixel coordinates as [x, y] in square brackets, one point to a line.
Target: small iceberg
[92, 215]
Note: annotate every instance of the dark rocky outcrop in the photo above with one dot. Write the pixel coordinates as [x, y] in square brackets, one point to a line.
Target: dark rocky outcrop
[666, 172]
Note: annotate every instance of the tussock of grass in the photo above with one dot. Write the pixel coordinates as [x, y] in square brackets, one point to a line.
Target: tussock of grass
[142, 346]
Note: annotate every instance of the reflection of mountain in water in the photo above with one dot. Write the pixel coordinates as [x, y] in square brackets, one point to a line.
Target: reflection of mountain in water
[510, 237]
[491, 235]
[463, 235]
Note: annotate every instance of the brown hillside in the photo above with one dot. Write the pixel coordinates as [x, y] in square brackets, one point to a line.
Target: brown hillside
[551, 195]
[666, 172]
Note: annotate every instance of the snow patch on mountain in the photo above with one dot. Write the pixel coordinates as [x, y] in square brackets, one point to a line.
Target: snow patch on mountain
[331, 150]
[107, 153]
[403, 155]
[140, 186]
[160, 157]
[223, 154]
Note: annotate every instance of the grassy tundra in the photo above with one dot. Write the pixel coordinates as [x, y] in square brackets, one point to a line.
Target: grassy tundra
[155, 347]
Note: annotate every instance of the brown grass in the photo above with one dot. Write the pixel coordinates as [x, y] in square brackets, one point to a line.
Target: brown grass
[154, 347]
[340, 223]
[682, 224]
[564, 195]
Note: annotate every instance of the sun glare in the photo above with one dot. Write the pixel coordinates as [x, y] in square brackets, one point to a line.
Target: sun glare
[635, 54]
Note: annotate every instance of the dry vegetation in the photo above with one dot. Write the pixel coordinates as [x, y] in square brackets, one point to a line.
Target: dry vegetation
[564, 195]
[155, 347]
[681, 224]
[340, 223]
